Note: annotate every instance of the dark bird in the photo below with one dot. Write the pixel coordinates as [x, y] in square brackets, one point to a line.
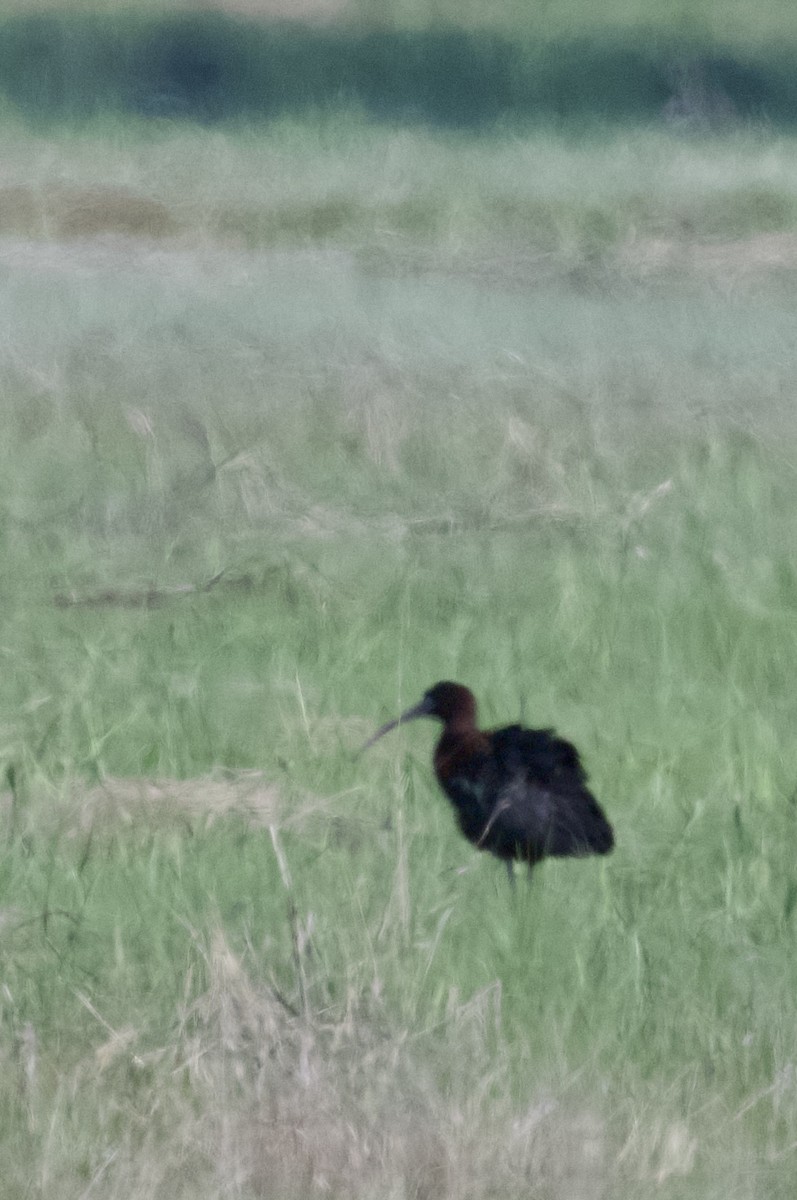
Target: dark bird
[519, 793]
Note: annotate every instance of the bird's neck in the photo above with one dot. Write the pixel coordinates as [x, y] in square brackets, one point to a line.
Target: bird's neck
[460, 724]
[458, 744]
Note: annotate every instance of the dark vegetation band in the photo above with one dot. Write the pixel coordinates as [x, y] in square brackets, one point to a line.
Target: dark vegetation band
[212, 67]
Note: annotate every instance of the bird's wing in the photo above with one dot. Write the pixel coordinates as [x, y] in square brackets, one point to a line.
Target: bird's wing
[539, 754]
[554, 821]
[543, 794]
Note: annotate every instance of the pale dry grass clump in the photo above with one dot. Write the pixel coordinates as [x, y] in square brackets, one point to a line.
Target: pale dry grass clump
[58, 211]
[721, 259]
[117, 802]
[254, 1095]
[289, 1105]
[252, 1098]
[126, 800]
[83, 816]
[297, 1106]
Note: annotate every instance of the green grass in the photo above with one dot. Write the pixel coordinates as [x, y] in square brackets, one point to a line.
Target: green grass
[259, 488]
[401, 200]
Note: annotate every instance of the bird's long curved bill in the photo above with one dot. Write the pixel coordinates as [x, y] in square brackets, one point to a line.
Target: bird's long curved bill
[417, 710]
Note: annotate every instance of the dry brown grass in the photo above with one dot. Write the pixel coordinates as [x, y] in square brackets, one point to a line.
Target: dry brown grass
[71, 809]
[257, 1095]
[126, 800]
[353, 1109]
[67, 213]
[72, 212]
[757, 254]
[262, 1101]
[251, 1098]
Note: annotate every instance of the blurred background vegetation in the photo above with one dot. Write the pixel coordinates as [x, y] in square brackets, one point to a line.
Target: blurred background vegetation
[432, 64]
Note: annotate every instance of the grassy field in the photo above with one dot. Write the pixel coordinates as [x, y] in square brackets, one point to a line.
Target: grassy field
[296, 423]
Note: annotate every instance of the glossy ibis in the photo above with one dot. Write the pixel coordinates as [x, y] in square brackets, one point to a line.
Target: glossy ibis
[519, 793]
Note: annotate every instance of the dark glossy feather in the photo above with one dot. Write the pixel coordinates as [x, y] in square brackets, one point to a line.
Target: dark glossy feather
[522, 794]
[519, 793]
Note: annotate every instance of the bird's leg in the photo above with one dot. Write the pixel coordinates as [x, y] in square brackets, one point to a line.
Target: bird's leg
[510, 870]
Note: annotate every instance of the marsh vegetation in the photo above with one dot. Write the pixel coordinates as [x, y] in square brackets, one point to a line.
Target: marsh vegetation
[297, 420]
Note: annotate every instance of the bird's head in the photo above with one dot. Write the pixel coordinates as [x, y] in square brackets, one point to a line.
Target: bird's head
[451, 703]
